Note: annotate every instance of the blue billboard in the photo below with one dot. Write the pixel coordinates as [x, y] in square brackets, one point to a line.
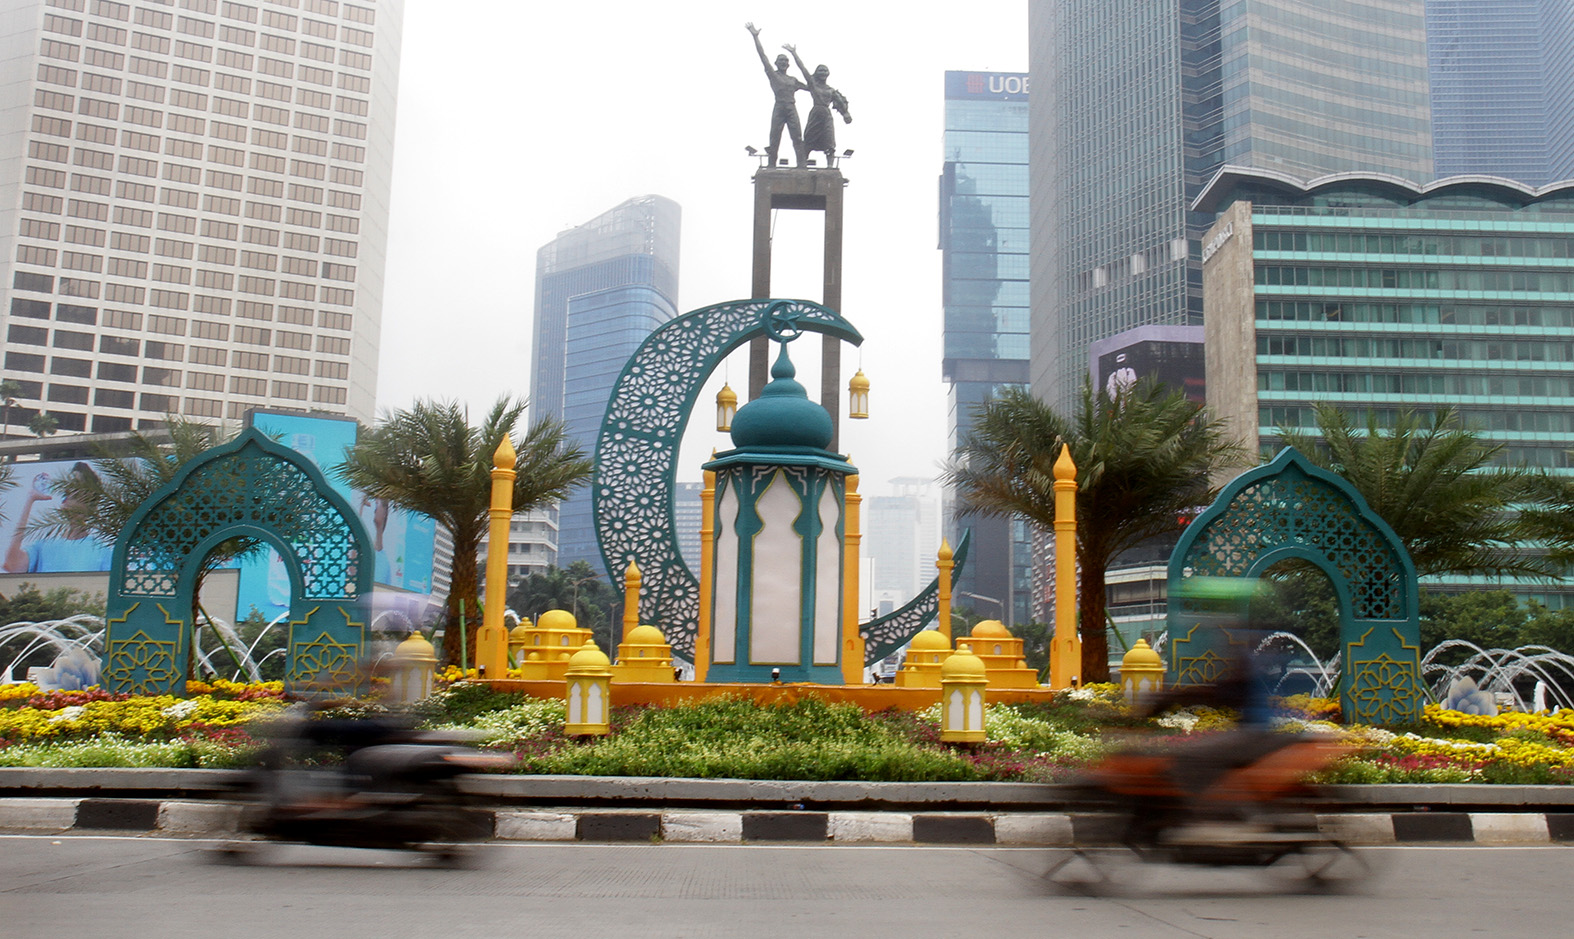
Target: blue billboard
[402, 541]
[32, 500]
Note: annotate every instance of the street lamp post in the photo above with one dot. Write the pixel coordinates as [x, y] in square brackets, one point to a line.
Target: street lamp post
[1005, 615]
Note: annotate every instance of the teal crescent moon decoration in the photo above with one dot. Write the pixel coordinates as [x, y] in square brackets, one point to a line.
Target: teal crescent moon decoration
[637, 453]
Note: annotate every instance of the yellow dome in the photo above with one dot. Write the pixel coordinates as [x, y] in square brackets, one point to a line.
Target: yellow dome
[556, 619]
[991, 629]
[415, 649]
[519, 633]
[1141, 656]
[930, 640]
[963, 664]
[589, 656]
[646, 636]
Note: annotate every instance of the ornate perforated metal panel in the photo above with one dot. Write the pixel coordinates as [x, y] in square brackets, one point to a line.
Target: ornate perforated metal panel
[637, 447]
[249, 488]
[1293, 509]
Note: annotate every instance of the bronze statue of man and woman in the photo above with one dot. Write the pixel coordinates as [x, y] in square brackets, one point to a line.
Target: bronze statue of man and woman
[819, 134]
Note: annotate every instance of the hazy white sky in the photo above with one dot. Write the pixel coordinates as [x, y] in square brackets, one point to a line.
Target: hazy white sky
[518, 120]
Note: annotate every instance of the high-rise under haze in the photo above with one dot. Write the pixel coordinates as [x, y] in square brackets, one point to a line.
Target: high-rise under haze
[601, 289]
[1139, 101]
[984, 292]
[194, 206]
[1502, 80]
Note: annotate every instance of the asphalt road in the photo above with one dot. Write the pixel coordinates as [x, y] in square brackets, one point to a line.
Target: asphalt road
[76, 886]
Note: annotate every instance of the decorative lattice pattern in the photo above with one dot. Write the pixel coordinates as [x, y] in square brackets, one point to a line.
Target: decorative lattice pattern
[1295, 510]
[141, 665]
[246, 488]
[1383, 687]
[637, 448]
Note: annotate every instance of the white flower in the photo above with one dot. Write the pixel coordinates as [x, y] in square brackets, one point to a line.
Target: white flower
[180, 709]
[1180, 721]
[67, 714]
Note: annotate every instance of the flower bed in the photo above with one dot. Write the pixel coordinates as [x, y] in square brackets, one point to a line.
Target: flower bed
[735, 738]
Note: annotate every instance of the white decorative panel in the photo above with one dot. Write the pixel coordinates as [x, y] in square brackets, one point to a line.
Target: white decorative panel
[724, 616]
[775, 624]
[828, 583]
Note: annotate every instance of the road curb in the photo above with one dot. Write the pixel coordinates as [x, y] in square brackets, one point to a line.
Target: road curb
[852, 827]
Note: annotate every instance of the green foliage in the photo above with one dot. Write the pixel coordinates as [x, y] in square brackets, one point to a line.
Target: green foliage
[580, 590]
[1436, 484]
[429, 459]
[464, 701]
[737, 738]
[1144, 458]
[111, 750]
[27, 604]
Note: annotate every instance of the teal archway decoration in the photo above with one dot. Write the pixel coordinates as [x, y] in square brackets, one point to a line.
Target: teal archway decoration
[637, 454]
[1292, 509]
[252, 488]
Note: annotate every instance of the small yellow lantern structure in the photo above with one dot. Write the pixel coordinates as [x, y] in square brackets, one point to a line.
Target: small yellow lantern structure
[518, 637]
[550, 642]
[414, 663]
[925, 654]
[858, 397]
[1002, 656]
[726, 407]
[1141, 672]
[962, 683]
[589, 692]
[644, 655]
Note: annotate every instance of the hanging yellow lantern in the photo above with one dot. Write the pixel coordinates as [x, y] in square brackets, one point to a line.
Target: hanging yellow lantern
[858, 397]
[589, 692]
[962, 683]
[726, 407]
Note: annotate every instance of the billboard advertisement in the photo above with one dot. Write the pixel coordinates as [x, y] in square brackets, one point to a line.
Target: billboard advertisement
[31, 501]
[402, 541]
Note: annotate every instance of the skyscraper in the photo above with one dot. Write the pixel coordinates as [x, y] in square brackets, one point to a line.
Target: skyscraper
[1502, 81]
[1140, 101]
[194, 205]
[984, 290]
[601, 289]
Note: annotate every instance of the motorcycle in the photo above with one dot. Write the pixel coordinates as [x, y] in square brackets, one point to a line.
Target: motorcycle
[1235, 800]
[361, 784]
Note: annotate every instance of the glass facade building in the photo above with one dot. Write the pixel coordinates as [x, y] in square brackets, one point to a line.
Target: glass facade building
[1141, 101]
[1373, 295]
[1502, 83]
[194, 207]
[601, 289]
[984, 286]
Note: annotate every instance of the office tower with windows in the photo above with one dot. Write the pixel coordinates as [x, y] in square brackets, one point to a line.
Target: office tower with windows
[1382, 297]
[1502, 81]
[194, 206]
[1138, 104]
[984, 289]
[601, 289]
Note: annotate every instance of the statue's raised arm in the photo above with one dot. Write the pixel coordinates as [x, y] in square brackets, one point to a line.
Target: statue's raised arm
[784, 113]
[755, 32]
[819, 132]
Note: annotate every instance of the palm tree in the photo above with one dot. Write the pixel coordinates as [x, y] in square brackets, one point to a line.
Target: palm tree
[43, 424]
[429, 459]
[1436, 484]
[579, 589]
[9, 391]
[1144, 458]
